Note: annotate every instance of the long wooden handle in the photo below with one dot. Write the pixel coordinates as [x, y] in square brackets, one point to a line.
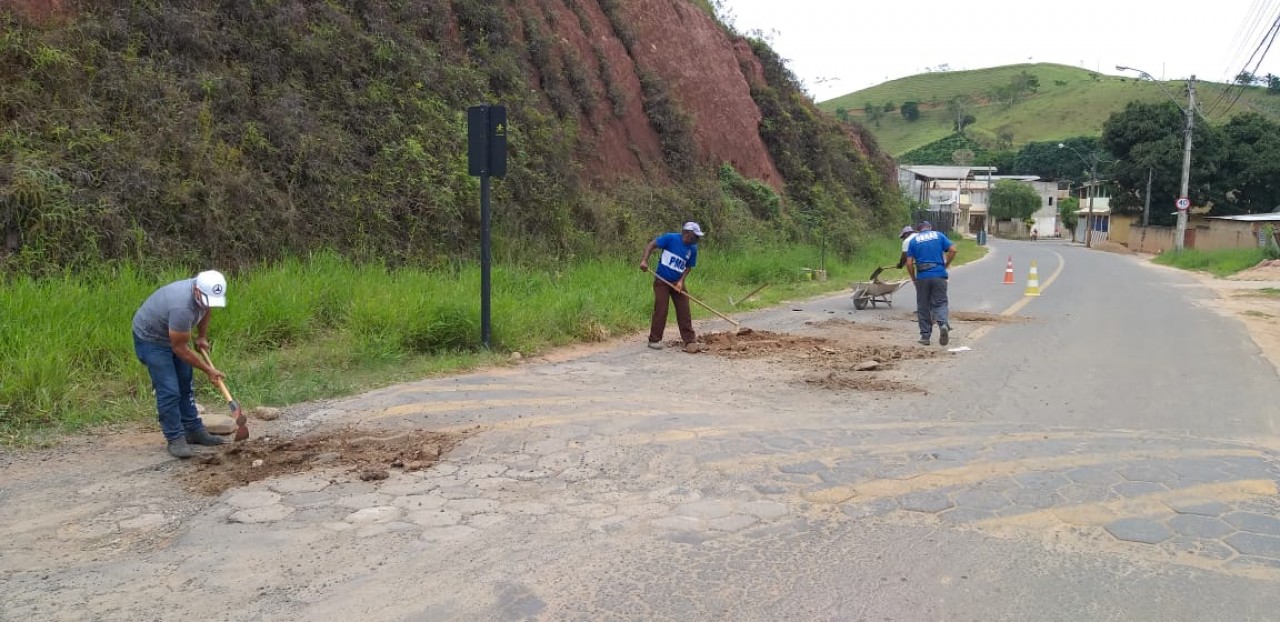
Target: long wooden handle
[700, 303]
[218, 383]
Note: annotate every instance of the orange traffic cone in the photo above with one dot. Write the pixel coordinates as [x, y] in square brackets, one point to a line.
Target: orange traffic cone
[1008, 272]
[1033, 281]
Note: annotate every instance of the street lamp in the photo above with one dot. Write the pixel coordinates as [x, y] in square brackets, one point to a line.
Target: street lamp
[1092, 163]
[1183, 198]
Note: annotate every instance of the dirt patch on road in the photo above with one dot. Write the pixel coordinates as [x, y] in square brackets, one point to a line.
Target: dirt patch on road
[857, 381]
[975, 316]
[1265, 271]
[366, 455]
[1112, 247]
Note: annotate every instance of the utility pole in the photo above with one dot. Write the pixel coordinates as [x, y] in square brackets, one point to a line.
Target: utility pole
[1186, 165]
[1093, 191]
[1146, 198]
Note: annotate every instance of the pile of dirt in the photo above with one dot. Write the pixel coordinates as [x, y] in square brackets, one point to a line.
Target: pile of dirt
[748, 343]
[977, 316]
[858, 381]
[1268, 270]
[369, 456]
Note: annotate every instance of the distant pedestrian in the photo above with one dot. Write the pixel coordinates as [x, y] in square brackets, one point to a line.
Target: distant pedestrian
[679, 256]
[162, 330]
[905, 235]
[929, 254]
[1035, 234]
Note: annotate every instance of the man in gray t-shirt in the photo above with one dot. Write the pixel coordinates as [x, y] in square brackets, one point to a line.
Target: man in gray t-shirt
[162, 330]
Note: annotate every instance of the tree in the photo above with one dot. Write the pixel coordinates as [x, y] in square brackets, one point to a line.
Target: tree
[1273, 84]
[962, 157]
[1011, 200]
[958, 108]
[1149, 136]
[842, 113]
[873, 113]
[1004, 138]
[1250, 166]
[890, 106]
[910, 110]
[1049, 161]
[1244, 78]
[1067, 209]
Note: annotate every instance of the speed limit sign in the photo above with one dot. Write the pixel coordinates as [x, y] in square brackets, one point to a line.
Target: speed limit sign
[1183, 204]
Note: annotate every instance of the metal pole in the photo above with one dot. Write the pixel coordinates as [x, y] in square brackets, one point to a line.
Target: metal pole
[1181, 238]
[486, 332]
[1093, 191]
[1146, 208]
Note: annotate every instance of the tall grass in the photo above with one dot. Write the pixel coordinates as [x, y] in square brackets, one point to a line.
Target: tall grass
[323, 326]
[1222, 262]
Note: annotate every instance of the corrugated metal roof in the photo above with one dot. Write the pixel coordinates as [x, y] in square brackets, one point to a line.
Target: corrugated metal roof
[947, 172]
[1272, 217]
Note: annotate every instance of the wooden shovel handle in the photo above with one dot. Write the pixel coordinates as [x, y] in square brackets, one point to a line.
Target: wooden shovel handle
[700, 303]
[218, 383]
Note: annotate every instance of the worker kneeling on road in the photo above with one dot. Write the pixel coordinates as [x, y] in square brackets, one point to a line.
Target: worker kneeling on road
[162, 330]
[679, 256]
[929, 254]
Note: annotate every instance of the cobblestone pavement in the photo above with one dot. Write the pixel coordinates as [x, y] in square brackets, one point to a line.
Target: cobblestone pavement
[630, 484]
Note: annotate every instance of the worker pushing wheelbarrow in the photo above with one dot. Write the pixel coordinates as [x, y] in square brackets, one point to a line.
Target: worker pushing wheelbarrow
[873, 291]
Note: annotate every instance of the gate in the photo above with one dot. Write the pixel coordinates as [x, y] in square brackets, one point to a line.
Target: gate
[942, 221]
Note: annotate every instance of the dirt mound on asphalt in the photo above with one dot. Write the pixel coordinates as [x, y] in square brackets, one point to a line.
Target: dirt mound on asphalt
[859, 381]
[1112, 247]
[746, 343]
[848, 344]
[366, 455]
[974, 316]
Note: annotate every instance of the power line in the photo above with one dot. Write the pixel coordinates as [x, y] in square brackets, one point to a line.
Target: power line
[1259, 52]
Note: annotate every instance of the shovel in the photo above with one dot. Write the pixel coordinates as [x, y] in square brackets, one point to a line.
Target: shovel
[242, 431]
[700, 303]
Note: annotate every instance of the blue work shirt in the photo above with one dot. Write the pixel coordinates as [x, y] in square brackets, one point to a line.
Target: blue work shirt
[928, 249]
[676, 256]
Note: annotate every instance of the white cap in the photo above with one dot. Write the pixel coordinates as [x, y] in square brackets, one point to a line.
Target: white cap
[693, 226]
[213, 285]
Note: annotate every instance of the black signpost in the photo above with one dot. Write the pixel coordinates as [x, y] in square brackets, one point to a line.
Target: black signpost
[486, 157]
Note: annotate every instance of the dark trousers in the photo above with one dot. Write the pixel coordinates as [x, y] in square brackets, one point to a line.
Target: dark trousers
[931, 304]
[662, 293]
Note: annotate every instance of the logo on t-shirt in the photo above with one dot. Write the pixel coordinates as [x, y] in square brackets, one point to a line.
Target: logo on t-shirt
[673, 261]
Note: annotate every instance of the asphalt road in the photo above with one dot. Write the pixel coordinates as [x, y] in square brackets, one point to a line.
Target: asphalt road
[1110, 456]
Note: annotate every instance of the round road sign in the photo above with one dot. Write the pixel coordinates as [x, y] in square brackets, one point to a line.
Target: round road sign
[1184, 203]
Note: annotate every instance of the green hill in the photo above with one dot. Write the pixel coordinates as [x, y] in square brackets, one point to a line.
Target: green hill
[1069, 102]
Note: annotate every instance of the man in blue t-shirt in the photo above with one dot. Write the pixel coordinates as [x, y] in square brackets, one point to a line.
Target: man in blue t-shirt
[679, 256]
[929, 254]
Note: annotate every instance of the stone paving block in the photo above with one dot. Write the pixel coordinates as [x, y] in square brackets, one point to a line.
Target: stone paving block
[1095, 475]
[1077, 494]
[1139, 530]
[528, 475]
[1255, 523]
[1208, 549]
[367, 500]
[485, 521]
[612, 524]
[770, 489]
[1200, 526]
[494, 483]
[867, 509]
[369, 516]
[529, 508]
[441, 469]
[471, 506]
[1250, 562]
[473, 471]
[299, 483]
[1196, 469]
[706, 509]
[679, 523]
[980, 500]
[675, 494]
[547, 446]
[143, 522]
[409, 486]
[1147, 473]
[449, 534]
[965, 516]
[420, 502]
[1254, 544]
[597, 510]
[644, 509]
[253, 499]
[1199, 507]
[1133, 490]
[1041, 480]
[262, 514]
[766, 510]
[784, 443]
[308, 499]
[435, 518]
[579, 474]
[733, 522]
[808, 468]
[927, 502]
[1031, 498]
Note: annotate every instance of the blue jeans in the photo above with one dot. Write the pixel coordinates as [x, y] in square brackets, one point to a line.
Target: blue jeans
[171, 378]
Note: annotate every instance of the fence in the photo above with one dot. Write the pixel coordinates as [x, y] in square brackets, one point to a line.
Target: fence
[941, 221]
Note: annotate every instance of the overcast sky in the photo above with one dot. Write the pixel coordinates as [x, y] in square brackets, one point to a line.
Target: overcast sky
[853, 44]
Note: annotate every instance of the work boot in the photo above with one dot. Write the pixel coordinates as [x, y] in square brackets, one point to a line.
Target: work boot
[655, 345]
[203, 437]
[944, 333]
[924, 341]
[178, 448]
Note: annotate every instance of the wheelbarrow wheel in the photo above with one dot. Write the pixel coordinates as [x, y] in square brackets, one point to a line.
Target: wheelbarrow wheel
[860, 302]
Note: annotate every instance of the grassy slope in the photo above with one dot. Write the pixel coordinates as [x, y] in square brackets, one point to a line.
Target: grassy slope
[298, 331]
[1077, 108]
[1222, 262]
